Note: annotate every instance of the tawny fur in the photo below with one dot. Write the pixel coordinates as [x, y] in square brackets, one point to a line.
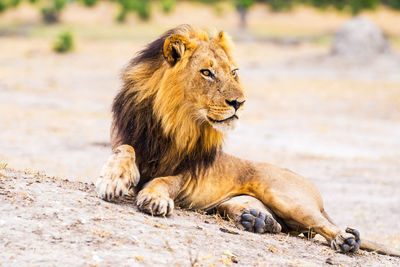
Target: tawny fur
[152, 112]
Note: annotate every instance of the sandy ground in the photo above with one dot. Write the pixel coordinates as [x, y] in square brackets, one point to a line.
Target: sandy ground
[56, 222]
[334, 121]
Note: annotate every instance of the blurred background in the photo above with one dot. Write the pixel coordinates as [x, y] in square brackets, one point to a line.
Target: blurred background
[322, 77]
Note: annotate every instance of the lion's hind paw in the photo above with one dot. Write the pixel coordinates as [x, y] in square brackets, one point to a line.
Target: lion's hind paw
[347, 242]
[259, 222]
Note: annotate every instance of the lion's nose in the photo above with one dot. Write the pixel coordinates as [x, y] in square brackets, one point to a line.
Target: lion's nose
[234, 103]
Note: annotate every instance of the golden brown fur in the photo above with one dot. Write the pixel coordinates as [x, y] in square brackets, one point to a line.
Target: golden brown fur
[180, 94]
[152, 114]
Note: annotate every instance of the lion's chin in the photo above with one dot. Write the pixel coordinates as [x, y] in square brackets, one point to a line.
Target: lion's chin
[224, 125]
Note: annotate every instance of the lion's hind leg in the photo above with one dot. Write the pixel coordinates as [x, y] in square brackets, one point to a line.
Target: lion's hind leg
[250, 214]
[119, 174]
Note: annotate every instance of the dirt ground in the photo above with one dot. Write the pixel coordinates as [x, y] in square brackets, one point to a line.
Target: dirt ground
[56, 222]
[334, 121]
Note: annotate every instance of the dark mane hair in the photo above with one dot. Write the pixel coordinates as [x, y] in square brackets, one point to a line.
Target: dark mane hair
[135, 123]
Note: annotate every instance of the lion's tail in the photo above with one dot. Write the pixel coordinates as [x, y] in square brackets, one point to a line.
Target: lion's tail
[379, 248]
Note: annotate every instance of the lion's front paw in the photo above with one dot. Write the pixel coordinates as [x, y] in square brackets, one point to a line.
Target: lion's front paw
[118, 175]
[154, 204]
[347, 242]
[259, 222]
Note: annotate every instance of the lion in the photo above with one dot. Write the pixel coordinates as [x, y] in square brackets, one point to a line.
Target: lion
[180, 96]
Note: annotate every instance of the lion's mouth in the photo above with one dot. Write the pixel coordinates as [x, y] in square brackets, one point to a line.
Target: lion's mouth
[233, 117]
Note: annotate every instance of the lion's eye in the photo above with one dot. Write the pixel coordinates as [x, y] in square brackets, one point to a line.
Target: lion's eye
[206, 72]
[234, 72]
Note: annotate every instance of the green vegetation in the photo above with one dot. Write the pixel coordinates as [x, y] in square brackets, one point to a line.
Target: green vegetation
[64, 43]
[395, 4]
[352, 6]
[280, 5]
[5, 4]
[51, 13]
[51, 9]
[141, 7]
[90, 3]
[242, 6]
[168, 5]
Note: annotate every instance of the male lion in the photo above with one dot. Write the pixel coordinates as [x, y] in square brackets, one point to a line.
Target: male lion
[180, 94]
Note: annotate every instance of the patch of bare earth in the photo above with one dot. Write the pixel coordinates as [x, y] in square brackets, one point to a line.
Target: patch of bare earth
[47, 221]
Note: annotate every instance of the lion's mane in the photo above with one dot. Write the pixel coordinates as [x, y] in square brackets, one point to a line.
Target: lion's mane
[150, 114]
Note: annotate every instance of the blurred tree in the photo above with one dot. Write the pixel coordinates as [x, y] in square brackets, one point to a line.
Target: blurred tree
[51, 13]
[5, 4]
[395, 4]
[352, 6]
[279, 5]
[52, 8]
[168, 5]
[89, 3]
[242, 7]
[141, 7]
[356, 6]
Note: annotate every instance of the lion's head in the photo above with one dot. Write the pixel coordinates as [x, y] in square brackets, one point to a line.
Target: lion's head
[180, 95]
[211, 85]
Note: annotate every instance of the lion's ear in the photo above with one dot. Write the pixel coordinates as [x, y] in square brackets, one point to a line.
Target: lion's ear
[225, 41]
[174, 48]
